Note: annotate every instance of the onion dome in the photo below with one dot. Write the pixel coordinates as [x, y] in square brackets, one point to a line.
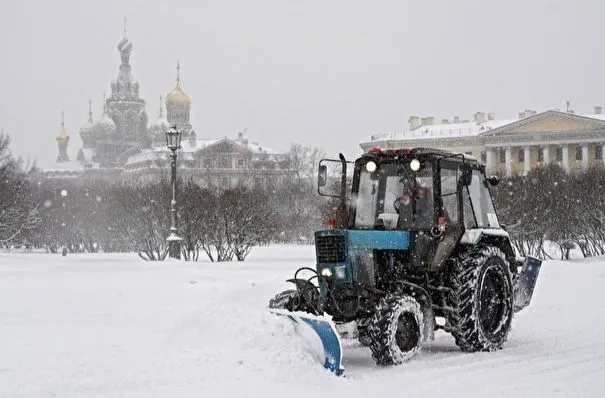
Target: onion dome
[104, 126]
[177, 97]
[86, 131]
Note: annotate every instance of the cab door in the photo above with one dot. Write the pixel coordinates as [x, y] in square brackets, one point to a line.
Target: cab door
[448, 206]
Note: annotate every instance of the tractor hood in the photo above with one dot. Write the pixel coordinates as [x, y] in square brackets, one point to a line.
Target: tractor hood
[347, 255]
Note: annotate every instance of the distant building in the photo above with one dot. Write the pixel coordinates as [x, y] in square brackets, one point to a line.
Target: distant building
[220, 163]
[510, 146]
[120, 146]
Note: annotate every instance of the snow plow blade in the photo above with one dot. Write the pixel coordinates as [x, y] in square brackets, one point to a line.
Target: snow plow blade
[324, 329]
[526, 282]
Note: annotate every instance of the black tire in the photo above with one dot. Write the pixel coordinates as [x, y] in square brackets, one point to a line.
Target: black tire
[396, 330]
[286, 300]
[363, 335]
[482, 299]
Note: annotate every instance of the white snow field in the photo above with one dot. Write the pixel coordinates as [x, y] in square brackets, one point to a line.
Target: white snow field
[116, 326]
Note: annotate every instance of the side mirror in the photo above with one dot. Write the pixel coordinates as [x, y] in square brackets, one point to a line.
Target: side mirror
[322, 175]
[493, 181]
[467, 175]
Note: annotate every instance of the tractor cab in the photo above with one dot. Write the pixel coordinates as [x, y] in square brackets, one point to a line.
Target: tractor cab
[432, 196]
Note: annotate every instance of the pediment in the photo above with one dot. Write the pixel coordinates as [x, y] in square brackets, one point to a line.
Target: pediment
[550, 122]
[225, 146]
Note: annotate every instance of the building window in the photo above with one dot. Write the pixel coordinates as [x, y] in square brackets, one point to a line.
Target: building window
[225, 182]
[598, 152]
[502, 153]
[521, 155]
[483, 156]
[240, 162]
[225, 163]
[540, 155]
[578, 153]
[559, 154]
[208, 163]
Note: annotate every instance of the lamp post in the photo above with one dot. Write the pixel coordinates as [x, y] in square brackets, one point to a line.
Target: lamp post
[173, 142]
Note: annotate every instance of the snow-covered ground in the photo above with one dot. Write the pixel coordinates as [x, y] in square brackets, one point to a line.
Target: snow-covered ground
[116, 326]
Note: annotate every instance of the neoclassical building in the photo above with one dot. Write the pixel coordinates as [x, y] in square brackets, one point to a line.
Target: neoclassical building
[510, 146]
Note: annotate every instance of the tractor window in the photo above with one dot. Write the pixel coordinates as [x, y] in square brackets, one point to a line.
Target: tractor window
[394, 197]
[367, 198]
[467, 209]
[482, 202]
[449, 186]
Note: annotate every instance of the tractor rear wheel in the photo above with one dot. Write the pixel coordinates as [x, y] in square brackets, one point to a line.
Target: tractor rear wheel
[482, 299]
[396, 330]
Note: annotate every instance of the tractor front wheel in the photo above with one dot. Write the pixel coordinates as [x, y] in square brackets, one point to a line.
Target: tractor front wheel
[396, 330]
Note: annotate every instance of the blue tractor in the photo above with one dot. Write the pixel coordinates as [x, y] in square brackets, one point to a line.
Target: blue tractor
[416, 246]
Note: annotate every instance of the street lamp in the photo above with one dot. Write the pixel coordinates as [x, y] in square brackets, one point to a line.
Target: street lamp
[173, 142]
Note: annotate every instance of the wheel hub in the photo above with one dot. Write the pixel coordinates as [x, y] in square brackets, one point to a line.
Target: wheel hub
[407, 335]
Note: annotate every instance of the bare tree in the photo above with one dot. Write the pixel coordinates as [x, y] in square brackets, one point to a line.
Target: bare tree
[18, 213]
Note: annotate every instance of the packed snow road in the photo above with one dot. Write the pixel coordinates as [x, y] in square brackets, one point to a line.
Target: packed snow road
[116, 326]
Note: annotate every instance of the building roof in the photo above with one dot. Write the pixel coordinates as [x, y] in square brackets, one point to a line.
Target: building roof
[584, 121]
[466, 128]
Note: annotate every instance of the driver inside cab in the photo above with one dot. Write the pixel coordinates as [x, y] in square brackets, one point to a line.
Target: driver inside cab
[414, 205]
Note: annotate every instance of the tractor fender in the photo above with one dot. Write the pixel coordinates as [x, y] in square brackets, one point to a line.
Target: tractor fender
[474, 236]
[493, 237]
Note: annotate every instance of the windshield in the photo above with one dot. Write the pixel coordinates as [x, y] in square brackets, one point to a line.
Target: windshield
[394, 197]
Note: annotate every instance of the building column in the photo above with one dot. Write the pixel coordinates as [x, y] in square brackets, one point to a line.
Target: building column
[546, 155]
[489, 160]
[565, 150]
[526, 159]
[584, 156]
[508, 161]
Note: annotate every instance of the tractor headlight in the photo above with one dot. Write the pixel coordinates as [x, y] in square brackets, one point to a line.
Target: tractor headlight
[326, 272]
[415, 165]
[371, 166]
[340, 272]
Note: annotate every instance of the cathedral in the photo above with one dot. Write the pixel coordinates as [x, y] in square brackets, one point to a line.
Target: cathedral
[121, 145]
[122, 130]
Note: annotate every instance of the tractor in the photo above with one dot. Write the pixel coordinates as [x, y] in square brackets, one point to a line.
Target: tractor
[415, 246]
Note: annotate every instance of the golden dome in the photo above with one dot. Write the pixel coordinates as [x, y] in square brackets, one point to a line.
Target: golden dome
[63, 133]
[178, 97]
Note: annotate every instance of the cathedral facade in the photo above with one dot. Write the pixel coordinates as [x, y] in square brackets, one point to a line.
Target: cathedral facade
[122, 128]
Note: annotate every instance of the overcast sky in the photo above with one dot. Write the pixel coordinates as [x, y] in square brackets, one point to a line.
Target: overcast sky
[327, 73]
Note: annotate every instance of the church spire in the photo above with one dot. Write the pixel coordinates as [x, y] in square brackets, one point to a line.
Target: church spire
[62, 141]
[161, 107]
[178, 73]
[90, 110]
